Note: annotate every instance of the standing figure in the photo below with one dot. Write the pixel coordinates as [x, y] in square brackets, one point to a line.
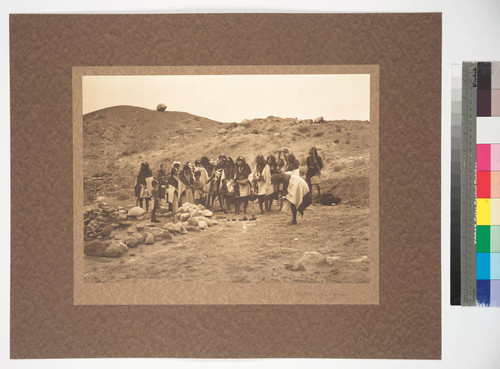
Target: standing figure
[186, 185]
[144, 179]
[242, 188]
[282, 162]
[259, 180]
[161, 177]
[296, 193]
[314, 166]
[173, 186]
[292, 165]
[269, 170]
[156, 201]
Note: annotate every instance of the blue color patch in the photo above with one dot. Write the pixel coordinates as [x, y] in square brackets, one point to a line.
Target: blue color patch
[483, 265]
[483, 293]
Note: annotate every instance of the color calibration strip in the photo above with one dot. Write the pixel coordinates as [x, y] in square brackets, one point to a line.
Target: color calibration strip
[488, 184]
[456, 152]
[475, 184]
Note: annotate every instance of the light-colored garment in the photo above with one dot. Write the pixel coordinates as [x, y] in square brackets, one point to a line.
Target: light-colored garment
[294, 172]
[266, 174]
[297, 189]
[203, 178]
[147, 190]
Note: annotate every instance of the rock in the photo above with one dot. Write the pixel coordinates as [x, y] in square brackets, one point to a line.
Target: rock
[173, 227]
[276, 134]
[161, 107]
[362, 259]
[150, 239]
[131, 241]
[207, 213]
[209, 222]
[136, 212]
[220, 217]
[214, 222]
[201, 207]
[132, 229]
[253, 217]
[332, 259]
[94, 248]
[163, 235]
[197, 129]
[184, 217]
[140, 237]
[141, 217]
[202, 224]
[192, 228]
[140, 227]
[311, 259]
[122, 216]
[115, 250]
[125, 224]
[106, 231]
[319, 120]
[108, 134]
[245, 218]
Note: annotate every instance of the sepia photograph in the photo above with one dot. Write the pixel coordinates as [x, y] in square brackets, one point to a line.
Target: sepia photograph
[239, 179]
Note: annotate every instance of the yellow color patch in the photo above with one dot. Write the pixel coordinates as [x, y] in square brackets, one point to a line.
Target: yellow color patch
[483, 211]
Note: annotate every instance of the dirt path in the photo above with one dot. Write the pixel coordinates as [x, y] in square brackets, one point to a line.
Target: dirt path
[250, 251]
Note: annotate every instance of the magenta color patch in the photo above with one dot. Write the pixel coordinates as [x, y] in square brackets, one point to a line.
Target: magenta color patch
[483, 157]
[495, 157]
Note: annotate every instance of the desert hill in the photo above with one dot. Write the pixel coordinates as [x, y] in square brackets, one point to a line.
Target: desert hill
[118, 139]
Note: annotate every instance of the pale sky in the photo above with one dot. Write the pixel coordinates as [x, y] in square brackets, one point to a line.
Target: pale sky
[232, 98]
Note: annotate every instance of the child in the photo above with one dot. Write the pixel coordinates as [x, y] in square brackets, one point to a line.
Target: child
[156, 201]
[199, 194]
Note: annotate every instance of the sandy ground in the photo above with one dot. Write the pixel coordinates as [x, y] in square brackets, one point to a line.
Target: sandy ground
[250, 251]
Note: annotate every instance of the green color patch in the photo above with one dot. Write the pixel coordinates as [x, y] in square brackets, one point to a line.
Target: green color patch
[483, 238]
[495, 239]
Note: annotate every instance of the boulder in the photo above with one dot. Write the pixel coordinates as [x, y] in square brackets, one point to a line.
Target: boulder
[207, 213]
[161, 107]
[202, 224]
[115, 250]
[122, 216]
[173, 227]
[106, 232]
[131, 241]
[201, 207]
[310, 260]
[319, 120]
[192, 228]
[197, 129]
[140, 237]
[209, 222]
[95, 248]
[125, 224]
[184, 217]
[149, 239]
[162, 235]
[132, 229]
[136, 212]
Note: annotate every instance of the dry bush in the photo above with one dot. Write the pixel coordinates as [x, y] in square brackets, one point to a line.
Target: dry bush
[255, 131]
[318, 134]
[303, 129]
[338, 168]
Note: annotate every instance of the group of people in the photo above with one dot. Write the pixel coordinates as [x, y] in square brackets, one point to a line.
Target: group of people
[231, 183]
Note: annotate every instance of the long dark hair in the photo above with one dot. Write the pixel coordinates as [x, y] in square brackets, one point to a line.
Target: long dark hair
[292, 162]
[273, 166]
[145, 171]
[313, 153]
[261, 163]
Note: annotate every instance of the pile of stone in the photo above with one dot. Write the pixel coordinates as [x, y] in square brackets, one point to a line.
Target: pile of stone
[99, 221]
[191, 217]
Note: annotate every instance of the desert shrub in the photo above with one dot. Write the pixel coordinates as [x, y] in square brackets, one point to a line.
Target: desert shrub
[303, 129]
[337, 168]
[255, 131]
[336, 141]
[338, 128]
[318, 134]
[128, 153]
